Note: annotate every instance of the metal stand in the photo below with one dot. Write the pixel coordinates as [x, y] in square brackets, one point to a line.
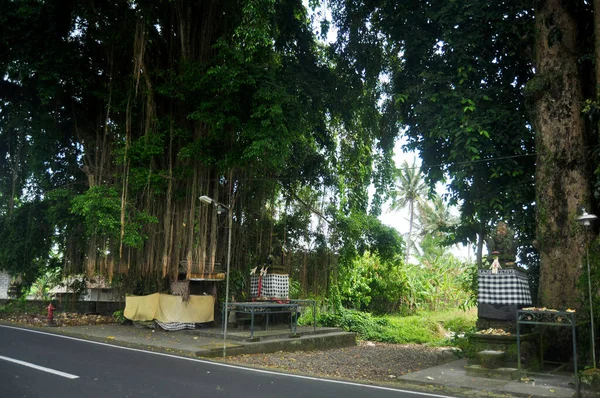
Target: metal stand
[265, 308]
[548, 318]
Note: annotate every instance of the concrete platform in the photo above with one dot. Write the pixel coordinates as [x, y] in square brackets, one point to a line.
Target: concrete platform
[209, 342]
[454, 374]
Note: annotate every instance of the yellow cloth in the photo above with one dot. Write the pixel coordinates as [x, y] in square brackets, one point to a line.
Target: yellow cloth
[169, 308]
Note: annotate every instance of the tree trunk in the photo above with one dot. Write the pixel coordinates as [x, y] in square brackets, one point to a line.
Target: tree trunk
[410, 227]
[480, 241]
[562, 159]
[597, 42]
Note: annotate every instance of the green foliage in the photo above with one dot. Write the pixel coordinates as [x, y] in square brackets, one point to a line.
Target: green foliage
[436, 219]
[39, 289]
[459, 97]
[22, 306]
[100, 207]
[238, 285]
[362, 323]
[439, 281]
[360, 233]
[251, 104]
[425, 328]
[593, 277]
[455, 321]
[119, 317]
[25, 241]
[295, 289]
[370, 284]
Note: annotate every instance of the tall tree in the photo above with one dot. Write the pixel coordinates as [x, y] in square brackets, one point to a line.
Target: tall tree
[492, 95]
[563, 174]
[435, 217]
[410, 190]
[116, 116]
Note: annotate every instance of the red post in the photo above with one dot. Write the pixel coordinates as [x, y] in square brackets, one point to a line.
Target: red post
[51, 314]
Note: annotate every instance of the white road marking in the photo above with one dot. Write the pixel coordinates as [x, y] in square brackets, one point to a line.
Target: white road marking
[226, 365]
[43, 369]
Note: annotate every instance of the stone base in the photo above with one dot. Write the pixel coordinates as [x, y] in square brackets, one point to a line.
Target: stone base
[485, 323]
[500, 373]
[499, 312]
[491, 359]
[589, 381]
[507, 345]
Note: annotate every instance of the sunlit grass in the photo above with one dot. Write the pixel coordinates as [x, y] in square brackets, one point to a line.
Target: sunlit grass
[432, 328]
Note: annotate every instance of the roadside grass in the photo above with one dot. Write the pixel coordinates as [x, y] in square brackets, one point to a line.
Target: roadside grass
[431, 328]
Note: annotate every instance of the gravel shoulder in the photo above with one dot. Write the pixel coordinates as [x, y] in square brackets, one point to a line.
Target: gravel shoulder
[368, 361]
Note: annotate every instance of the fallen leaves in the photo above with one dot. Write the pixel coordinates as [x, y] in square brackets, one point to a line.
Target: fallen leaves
[60, 319]
[495, 332]
[546, 309]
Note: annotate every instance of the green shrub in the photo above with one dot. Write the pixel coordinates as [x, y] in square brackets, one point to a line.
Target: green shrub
[460, 324]
[371, 284]
[119, 317]
[426, 328]
[380, 329]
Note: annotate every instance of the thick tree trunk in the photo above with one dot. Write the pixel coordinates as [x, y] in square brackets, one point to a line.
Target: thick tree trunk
[597, 41]
[562, 161]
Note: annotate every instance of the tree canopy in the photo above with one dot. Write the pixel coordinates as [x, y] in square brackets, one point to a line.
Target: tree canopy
[487, 95]
[116, 116]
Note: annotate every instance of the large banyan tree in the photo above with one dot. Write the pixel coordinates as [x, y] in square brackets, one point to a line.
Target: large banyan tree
[116, 116]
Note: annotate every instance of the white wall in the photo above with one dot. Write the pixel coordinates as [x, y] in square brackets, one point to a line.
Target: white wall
[4, 284]
[102, 295]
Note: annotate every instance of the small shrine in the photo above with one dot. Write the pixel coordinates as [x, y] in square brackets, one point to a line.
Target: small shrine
[503, 287]
[269, 286]
[503, 290]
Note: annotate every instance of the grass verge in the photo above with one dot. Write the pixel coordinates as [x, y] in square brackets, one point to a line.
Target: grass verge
[432, 328]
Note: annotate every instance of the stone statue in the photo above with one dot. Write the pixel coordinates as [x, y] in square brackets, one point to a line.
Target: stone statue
[496, 264]
[501, 245]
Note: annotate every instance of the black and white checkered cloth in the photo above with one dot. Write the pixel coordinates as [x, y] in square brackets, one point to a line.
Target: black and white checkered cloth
[508, 286]
[172, 326]
[273, 286]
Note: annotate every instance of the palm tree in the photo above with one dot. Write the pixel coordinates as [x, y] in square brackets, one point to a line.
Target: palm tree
[410, 189]
[435, 217]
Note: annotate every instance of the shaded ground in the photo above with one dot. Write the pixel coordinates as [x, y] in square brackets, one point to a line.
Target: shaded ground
[367, 361]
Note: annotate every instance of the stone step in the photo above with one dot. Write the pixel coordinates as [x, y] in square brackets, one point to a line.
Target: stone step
[491, 359]
[321, 341]
[273, 333]
[498, 373]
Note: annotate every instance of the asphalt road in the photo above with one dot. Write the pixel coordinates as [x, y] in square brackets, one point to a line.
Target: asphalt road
[38, 364]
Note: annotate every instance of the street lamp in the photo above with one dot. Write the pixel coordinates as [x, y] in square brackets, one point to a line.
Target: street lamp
[586, 220]
[220, 208]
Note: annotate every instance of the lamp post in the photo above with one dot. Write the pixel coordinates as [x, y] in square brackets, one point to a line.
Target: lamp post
[586, 220]
[221, 207]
